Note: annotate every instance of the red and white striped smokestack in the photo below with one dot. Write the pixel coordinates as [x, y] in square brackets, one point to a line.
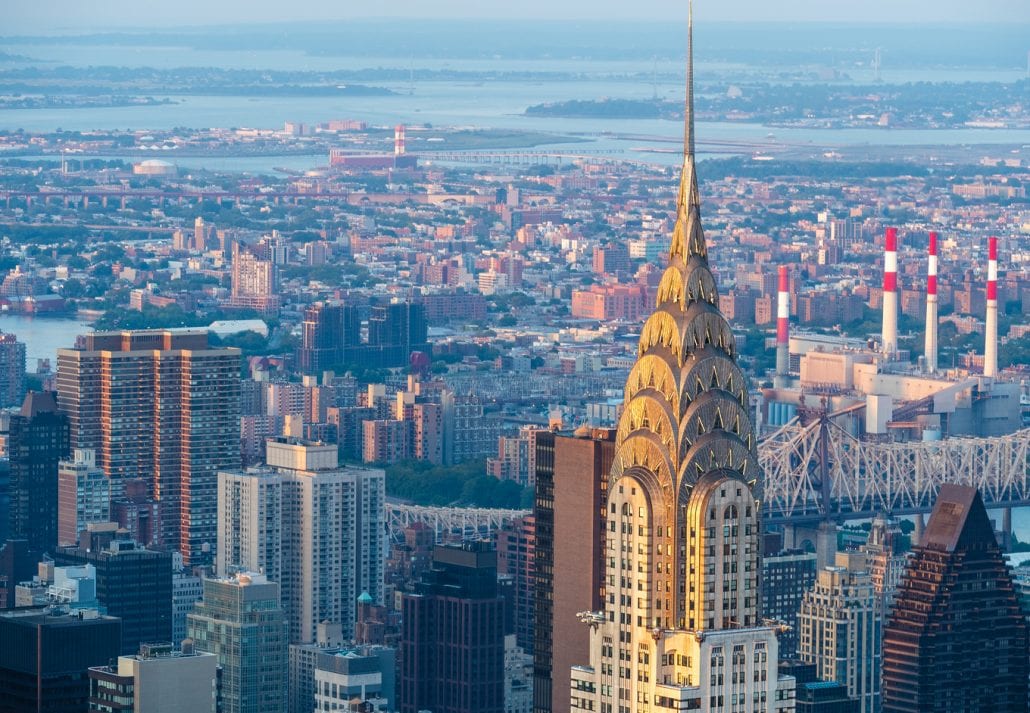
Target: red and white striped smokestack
[889, 340]
[398, 140]
[930, 346]
[782, 327]
[991, 331]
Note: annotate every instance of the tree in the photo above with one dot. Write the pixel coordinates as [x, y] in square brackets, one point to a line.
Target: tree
[72, 288]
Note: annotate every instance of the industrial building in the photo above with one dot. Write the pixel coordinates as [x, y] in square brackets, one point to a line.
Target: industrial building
[874, 390]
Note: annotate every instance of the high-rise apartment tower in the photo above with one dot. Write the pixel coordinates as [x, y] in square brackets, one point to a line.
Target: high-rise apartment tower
[163, 406]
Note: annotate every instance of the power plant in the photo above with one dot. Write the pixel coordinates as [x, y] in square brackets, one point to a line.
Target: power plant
[889, 340]
[874, 391]
[930, 345]
[991, 323]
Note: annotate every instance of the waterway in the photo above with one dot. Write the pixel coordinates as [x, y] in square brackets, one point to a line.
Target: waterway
[43, 336]
[486, 104]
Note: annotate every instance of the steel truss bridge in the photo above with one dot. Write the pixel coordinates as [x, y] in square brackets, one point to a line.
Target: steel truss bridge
[449, 521]
[819, 472]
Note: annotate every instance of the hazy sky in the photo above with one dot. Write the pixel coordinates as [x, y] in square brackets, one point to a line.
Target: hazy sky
[41, 16]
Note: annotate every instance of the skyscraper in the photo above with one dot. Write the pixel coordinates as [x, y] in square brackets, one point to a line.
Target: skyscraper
[45, 655]
[12, 370]
[840, 628]
[680, 627]
[240, 621]
[312, 526]
[133, 583]
[957, 638]
[163, 406]
[38, 440]
[452, 647]
[255, 281]
[786, 577]
[83, 496]
[330, 330]
[886, 550]
[569, 512]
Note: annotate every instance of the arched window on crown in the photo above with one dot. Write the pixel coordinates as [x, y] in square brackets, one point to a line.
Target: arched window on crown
[730, 513]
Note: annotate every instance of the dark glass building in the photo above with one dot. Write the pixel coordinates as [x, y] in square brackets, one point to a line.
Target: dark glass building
[133, 583]
[956, 639]
[45, 656]
[18, 563]
[332, 336]
[395, 331]
[571, 490]
[329, 329]
[786, 577]
[815, 696]
[452, 646]
[39, 437]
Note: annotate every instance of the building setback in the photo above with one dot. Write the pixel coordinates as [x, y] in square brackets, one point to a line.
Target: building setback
[163, 406]
[956, 639]
[840, 628]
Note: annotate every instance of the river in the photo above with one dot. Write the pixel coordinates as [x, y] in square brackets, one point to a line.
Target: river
[490, 104]
[43, 336]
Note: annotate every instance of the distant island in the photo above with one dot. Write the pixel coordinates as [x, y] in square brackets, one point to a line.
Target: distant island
[914, 105]
[608, 109]
[182, 81]
[77, 101]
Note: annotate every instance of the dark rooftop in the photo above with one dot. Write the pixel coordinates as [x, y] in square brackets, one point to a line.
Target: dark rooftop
[959, 519]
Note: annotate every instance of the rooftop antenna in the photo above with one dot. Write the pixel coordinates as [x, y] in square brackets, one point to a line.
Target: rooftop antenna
[688, 236]
[688, 124]
[876, 66]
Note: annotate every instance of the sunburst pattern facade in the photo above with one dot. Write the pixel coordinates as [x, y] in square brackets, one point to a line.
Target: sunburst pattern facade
[681, 627]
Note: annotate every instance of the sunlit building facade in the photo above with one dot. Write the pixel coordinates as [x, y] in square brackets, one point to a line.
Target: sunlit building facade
[680, 628]
[160, 405]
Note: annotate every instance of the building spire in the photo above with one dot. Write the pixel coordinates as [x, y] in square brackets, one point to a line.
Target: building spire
[688, 112]
[688, 237]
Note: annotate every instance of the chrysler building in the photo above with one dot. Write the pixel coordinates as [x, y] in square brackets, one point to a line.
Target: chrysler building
[681, 629]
